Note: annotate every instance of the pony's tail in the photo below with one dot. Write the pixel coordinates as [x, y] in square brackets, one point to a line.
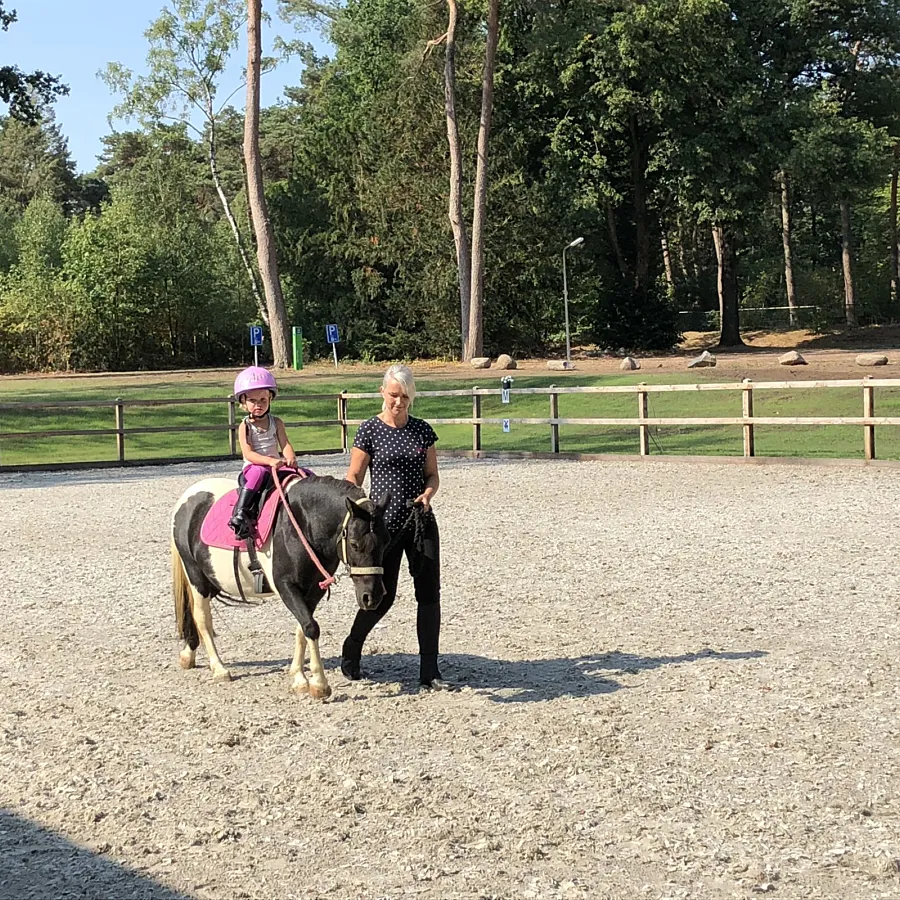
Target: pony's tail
[181, 592]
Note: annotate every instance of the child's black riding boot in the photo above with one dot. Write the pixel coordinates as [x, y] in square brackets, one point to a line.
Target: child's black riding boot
[243, 518]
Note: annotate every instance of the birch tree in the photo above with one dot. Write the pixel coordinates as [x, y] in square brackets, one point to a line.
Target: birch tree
[190, 44]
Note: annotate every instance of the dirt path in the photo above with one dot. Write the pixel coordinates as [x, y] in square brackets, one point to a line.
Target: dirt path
[681, 682]
[830, 355]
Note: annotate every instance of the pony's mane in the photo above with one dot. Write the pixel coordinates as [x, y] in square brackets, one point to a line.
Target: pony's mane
[329, 488]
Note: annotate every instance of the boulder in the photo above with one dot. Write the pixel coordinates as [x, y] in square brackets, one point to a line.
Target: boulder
[557, 364]
[481, 362]
[505, 361]
[704, 361]
[871, 359]
[792, 358]
[629, 364]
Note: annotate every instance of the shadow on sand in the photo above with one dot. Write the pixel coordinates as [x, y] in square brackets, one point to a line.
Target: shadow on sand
[533, 680]
[39, 864]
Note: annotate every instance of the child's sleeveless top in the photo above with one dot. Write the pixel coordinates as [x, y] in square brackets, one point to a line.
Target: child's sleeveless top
[262, 440]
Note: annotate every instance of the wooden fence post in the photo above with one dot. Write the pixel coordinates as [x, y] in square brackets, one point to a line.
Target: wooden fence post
[749, 439]
[869, 412]
[476, 414]
[232, 431]
[643, 430]
[342, 404]
[120, 429]
[554, 427]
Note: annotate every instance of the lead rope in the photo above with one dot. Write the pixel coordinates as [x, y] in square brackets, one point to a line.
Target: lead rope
[329, 579]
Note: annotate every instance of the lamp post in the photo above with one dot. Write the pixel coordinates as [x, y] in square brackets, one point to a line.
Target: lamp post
[577, 242]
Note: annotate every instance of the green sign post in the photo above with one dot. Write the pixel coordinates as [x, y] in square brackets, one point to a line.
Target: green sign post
[298, 347]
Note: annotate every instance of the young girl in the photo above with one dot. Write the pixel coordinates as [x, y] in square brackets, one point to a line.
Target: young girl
[263, 443]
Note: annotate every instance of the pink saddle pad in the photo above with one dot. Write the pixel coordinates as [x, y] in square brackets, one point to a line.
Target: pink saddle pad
[214, 532]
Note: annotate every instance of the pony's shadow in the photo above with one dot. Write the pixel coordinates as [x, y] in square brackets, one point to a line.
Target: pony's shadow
[536, 680]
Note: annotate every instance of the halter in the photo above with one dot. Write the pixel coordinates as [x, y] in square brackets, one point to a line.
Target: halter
[328, 579]
[342, 548]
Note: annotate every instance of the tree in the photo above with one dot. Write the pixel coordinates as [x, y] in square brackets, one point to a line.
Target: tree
[189, 47]
[262, 226]
[34, 161]
[26, 94]
[455, 204]
[475, 345]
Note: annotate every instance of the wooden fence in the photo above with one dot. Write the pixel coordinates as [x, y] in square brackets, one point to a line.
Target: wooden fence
[642, 422]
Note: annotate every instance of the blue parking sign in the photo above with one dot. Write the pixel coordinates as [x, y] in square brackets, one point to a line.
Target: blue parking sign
[331, 334]
[256, 335]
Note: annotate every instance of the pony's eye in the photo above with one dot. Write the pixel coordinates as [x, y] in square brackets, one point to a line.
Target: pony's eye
[354, 545]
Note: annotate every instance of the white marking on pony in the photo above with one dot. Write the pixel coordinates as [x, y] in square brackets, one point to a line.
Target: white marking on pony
[300, 685]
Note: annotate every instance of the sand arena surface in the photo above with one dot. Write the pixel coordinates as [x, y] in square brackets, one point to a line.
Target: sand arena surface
[680, 682]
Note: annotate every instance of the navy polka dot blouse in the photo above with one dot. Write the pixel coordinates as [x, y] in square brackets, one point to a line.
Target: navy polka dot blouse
[397, 463]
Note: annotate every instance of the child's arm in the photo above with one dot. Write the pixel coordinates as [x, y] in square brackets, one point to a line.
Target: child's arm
[249, 454]
[287, 451]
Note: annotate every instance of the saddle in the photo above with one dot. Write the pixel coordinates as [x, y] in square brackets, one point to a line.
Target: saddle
[215, 531]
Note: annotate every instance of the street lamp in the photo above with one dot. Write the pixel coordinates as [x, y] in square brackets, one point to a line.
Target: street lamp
[577, 242]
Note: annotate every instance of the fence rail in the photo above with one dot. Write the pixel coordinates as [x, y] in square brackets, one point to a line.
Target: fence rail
[642, 422]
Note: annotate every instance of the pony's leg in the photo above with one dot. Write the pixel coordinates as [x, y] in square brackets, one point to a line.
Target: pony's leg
[299, 685]
[203, 617]
[319, 688]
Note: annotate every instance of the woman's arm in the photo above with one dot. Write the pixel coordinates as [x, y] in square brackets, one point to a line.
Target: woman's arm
[432, 479]
[359, 464]
[249, 454]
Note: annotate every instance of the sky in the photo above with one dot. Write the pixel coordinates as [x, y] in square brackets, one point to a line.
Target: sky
[75, 39]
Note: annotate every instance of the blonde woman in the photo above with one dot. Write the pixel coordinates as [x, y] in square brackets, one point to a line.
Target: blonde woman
[397, 450]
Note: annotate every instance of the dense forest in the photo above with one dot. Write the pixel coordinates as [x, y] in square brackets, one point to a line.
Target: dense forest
[715, 155]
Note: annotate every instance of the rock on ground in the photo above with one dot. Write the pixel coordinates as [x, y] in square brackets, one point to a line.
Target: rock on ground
[791, 358]
[871, 359]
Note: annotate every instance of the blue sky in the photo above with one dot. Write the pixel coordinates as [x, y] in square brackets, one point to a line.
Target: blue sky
[76, 38]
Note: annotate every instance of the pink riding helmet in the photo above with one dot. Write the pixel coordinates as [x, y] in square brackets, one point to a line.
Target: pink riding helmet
[255, 378]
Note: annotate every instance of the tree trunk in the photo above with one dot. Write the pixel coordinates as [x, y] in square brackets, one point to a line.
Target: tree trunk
[614, 239]
[455, 213]
[729, 310]
[256, 196]
[789, 282]
[641, 226]
[847, 258]
[229, 216]
[475, 344]
[667, 260]
[895, 247]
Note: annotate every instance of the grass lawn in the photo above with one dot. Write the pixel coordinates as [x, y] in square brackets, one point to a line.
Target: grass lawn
[803, 441]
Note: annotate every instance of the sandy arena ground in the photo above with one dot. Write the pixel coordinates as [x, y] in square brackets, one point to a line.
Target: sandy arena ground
[680, 682]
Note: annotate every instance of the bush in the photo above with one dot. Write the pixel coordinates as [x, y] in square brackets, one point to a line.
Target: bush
[623, 318]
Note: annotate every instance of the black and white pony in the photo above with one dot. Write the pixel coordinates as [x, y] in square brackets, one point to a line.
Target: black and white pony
[339, 524]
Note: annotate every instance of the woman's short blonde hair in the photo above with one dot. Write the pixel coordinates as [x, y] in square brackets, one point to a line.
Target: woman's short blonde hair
[404, 377]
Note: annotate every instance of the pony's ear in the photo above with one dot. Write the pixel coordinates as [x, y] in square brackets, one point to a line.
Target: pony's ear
[382, 504]
[359, 511]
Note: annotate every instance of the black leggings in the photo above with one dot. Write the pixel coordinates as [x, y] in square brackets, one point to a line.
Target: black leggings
[426, 573]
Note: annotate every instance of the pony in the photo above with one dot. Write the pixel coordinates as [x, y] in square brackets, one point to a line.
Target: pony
[337, 523]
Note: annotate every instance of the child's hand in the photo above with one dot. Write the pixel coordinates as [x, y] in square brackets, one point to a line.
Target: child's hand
[290, 460]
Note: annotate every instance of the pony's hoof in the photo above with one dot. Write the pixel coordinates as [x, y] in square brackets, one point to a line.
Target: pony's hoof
[319, 693]
[187, 659]
[350, 669]
[222, 677]
[301, 687]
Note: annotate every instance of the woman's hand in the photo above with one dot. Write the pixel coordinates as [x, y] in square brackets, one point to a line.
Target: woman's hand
[425, 499]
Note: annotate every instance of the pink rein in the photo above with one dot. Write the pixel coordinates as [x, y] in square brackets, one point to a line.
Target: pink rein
[328, 579]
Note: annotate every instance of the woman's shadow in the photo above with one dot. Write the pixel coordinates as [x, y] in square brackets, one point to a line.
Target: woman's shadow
[536, 680]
